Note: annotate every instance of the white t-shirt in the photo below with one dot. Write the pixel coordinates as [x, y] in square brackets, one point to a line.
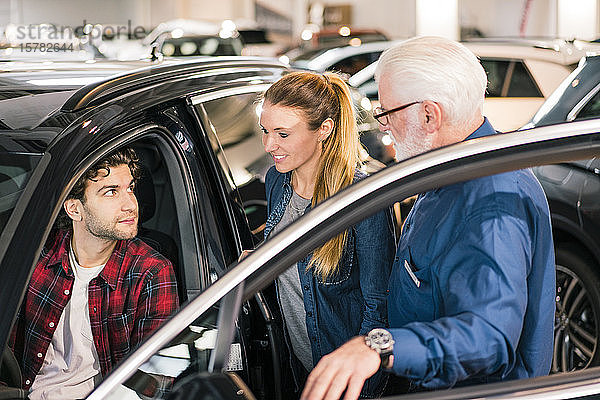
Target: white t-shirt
[71, 365]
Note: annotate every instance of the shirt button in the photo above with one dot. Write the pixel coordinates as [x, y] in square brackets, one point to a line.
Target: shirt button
[39, 355]
[67, 292]
[51, 324]
[94, 309]
[27, 382]
[305, 287]
[309, 314]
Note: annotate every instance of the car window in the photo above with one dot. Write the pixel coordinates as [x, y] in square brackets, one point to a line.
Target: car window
[522, 83]
[369, 89]
[240, 151]
[496, 72]
[161, 214]
[201, 46]
[509, 78]
[164, 223]
[335, 39]
[189, 353]
[15, 171]
[591, 109]
[353, 64]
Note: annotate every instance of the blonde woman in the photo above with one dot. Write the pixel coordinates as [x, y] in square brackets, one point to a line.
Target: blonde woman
[339, 291]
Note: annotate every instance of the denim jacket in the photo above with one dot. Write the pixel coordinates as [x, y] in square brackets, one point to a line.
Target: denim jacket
[353, 300]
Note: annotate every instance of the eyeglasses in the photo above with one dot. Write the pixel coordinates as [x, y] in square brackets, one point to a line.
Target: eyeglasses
[381, 115]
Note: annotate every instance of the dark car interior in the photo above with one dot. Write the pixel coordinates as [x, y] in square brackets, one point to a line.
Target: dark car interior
[15, 171]
[157, 214]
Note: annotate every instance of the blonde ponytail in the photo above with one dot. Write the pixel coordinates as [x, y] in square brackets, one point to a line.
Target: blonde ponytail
[339, 159]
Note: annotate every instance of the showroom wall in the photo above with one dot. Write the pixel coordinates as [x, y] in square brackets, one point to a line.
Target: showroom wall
[503, 18]
[397, 18]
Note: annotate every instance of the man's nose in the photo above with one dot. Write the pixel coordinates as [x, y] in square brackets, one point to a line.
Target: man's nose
[130, 202]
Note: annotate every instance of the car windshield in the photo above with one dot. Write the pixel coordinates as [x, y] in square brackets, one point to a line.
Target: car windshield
[338, 40]
[201, 46]
[310, 54]
[15, 171]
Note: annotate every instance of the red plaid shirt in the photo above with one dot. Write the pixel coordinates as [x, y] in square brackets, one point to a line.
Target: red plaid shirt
[135, 292]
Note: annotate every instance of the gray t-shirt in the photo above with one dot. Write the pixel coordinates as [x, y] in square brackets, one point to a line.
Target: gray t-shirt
[290, 290]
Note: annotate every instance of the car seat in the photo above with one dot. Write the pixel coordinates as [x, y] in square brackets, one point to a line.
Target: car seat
[159, 241]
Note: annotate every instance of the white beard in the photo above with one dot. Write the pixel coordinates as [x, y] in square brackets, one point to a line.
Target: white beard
[415, 141]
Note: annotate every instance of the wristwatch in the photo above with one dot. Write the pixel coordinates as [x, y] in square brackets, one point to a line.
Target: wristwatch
[382, 342]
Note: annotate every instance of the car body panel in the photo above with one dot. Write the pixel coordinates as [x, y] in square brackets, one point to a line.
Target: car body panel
[520, 110]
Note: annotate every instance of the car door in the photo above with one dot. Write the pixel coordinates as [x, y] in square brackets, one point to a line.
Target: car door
[441, 167]
[180, 214]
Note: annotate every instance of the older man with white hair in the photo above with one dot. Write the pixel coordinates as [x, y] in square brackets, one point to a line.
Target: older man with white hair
[471, 295]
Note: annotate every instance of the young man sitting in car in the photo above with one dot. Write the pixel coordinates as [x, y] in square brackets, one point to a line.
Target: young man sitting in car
[96, 291]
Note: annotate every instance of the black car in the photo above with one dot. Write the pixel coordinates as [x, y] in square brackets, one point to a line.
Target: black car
[194, 126]
[573, 190]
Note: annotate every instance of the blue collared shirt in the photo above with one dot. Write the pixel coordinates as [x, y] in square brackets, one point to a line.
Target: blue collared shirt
[473, 282]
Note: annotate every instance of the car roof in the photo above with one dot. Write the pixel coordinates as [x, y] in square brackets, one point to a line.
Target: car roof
[556, 51]
[551, 50]
[30, 92]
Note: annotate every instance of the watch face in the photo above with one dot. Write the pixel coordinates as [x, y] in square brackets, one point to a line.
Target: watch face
[380, 338]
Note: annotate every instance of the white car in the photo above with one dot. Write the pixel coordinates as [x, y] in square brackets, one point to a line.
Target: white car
[521, 73]
[177, 38]
[346, 59]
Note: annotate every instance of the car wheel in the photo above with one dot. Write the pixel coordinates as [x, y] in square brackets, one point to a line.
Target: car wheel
[577, 318]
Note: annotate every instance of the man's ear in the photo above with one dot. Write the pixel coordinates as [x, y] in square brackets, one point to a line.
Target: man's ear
[325, 129]
[73, 209]
[432, 117]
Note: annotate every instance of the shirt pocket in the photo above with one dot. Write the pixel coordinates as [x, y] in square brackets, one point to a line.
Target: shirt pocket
[416, 291]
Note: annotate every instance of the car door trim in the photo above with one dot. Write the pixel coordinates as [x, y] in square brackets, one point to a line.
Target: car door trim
[572, 115]
[202, 98]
